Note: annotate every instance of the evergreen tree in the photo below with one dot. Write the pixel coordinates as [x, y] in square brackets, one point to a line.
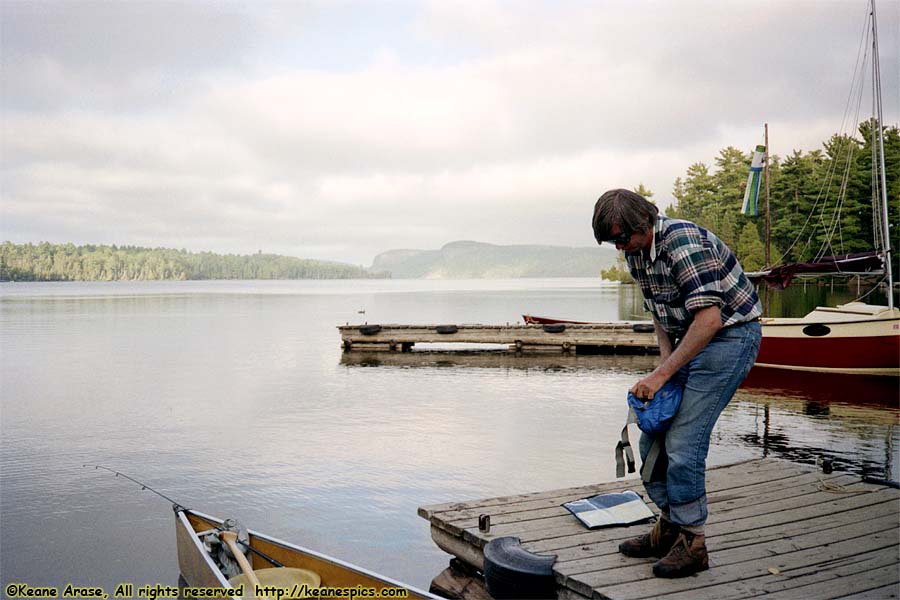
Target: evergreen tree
[793, 196]
[750, 249]
[694, 196]
[643, 191]
[820, 202]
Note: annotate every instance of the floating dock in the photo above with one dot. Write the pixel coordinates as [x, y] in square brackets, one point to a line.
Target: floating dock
[776, 529]
[613, 338]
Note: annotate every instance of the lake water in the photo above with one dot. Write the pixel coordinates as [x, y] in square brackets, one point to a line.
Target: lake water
[234, 398]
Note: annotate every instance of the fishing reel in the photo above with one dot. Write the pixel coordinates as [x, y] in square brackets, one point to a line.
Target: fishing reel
[220, 551]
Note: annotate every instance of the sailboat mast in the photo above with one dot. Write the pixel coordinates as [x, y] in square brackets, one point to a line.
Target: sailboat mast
[886, 233]
[766, 174]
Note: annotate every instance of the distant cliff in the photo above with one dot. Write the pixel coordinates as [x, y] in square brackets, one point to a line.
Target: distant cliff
[475, 260]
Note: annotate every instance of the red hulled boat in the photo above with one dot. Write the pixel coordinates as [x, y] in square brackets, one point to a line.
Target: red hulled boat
[852, 338]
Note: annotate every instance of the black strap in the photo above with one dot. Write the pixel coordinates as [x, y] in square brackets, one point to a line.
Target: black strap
[623, 451]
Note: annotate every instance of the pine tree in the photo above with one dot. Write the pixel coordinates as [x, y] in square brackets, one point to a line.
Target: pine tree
[750, 250]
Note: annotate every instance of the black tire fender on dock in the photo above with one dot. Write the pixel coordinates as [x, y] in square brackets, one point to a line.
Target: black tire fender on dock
[442, 329]
[369, 329]
[643, 328]
[510, 571]
[554, 327]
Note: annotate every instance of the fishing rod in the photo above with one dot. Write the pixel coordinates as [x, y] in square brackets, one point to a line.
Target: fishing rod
[177, 507]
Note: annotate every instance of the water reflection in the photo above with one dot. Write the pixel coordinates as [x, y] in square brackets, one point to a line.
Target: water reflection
[853, 419]
[635, 363]
[824, 388]
[775, 440]
[848, 421]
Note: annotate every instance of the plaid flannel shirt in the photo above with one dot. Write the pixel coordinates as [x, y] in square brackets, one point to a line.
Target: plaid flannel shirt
[689, 268]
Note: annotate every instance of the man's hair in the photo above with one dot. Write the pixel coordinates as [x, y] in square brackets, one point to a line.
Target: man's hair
[630, 211]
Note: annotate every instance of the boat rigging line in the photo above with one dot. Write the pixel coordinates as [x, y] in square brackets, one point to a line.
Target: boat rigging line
[824, 220]
[821, 218]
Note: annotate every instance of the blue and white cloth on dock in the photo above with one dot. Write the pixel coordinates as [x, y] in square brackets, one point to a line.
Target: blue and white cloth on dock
[605, 510]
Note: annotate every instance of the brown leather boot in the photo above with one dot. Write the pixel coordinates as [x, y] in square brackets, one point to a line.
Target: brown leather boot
[687, 556]
[656, 543]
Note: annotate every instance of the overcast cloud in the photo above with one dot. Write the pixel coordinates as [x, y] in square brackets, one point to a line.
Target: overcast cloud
[337, 130]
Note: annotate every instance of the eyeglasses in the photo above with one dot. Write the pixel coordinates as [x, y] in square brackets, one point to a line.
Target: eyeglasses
[621, 239]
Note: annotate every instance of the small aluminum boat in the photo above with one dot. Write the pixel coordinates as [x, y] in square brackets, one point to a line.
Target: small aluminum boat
[272, 562]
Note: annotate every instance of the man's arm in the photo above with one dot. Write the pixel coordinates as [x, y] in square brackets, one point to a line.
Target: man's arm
[665, 341]
[707, 322]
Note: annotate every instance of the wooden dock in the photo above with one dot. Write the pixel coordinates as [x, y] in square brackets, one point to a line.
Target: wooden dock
[477, 359]
[618, 337]
[776, 529]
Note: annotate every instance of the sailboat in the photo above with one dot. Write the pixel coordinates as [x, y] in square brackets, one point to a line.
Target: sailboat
[852, 338]
[855, 337]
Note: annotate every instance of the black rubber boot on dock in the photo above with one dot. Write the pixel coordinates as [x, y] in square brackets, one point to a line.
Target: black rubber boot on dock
[656, 543]
[688, 556]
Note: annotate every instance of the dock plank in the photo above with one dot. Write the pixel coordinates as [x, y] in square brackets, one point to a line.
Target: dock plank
[850, 505]
[800, 583]
[745, 552]
[829, 580]
[459, 516]
[607, 583]
[713, 530]
[558, 522]
[759, 550]
[622, 336]
[881, 593]
[737, 498]
[719, 537]
[776, 528]
[720, 478]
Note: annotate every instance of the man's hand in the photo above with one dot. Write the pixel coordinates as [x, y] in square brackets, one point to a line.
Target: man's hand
[647, 387]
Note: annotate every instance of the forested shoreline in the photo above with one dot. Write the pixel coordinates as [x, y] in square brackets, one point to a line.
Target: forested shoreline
[810, 214]
[68, 262]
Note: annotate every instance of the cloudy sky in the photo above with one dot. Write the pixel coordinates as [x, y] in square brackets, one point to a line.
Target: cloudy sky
[337, 130]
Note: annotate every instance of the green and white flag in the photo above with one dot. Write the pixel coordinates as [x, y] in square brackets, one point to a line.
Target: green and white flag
[751, 195]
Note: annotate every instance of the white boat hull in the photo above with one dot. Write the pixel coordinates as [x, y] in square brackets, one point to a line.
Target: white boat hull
[852, 338]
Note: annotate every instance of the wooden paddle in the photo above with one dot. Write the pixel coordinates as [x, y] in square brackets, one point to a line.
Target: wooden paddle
[230, 539]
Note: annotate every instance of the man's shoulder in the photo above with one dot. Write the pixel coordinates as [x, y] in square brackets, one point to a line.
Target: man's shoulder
[671, 224]
[678, 231]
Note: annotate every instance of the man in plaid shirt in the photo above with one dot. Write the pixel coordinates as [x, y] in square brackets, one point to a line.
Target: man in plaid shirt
[706, 316]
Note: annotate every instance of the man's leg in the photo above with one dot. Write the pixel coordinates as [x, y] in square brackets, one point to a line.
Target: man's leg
[659, 540]
[715, 374]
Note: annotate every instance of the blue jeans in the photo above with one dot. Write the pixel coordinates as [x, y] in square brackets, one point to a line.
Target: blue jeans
[678, 483]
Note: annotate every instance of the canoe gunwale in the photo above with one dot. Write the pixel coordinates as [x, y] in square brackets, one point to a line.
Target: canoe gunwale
[183, 520]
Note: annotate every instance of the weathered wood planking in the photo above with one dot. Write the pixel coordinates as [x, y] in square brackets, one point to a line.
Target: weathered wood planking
[622, 337]
[776, 528]
[503, 360]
